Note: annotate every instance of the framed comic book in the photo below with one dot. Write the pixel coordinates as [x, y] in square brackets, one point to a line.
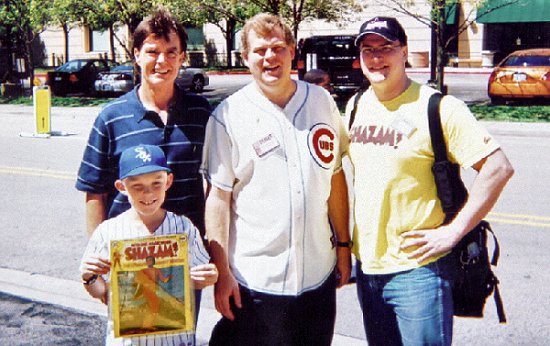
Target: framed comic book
[150, 286]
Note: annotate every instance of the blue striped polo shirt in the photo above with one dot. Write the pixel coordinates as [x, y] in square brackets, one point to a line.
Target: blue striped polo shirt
[124, 123]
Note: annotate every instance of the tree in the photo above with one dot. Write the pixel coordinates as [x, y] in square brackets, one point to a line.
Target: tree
[66, 14]
[107, 14]
[25, 20]
[297, 11]
[229, 15]
[437, 20]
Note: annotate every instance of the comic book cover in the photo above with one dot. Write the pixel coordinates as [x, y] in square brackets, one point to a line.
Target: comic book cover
[150, 286]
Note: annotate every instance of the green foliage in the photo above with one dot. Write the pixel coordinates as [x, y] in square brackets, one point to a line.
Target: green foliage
[22, 15]
[482, 111]
[512, 113]
[199, 12]
[59, 101]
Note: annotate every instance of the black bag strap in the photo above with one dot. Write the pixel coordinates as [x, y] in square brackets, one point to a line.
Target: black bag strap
[355, 103]
[436, 131]
[496, 251]
[498, 302]
[440, 154]
[494, 261]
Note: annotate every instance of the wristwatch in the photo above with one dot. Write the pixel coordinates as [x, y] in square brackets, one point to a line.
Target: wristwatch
[90, 280]
[347, 244]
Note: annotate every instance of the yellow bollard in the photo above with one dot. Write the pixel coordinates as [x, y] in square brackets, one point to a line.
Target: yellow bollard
[42, 107]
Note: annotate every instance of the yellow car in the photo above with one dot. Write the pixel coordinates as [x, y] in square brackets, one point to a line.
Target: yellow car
[524, 74]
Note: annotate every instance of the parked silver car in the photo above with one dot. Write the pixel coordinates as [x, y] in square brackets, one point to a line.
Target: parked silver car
[193, 78]
[120, 79]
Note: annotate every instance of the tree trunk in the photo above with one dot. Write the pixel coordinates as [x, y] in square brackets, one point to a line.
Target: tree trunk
[65, 28]
[441, 50]
[229, 40]
[28, 38]
[438, 28]
[112, 43]
[297, 10]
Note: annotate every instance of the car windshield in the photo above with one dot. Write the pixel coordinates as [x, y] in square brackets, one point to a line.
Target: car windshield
[72, 66]
[527, 61]
[122, 68]
[335, 47]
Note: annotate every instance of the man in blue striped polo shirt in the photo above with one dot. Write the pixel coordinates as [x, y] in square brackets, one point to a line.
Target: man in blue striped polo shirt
[156, 112]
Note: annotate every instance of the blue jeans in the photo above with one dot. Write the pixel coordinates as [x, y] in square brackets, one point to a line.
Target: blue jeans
[268, 320]
[411, 308]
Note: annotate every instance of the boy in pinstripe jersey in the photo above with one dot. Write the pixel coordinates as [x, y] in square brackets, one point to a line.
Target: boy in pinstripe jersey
[144, 178]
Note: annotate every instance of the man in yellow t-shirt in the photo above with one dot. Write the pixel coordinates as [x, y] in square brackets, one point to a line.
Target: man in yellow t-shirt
[403, 279]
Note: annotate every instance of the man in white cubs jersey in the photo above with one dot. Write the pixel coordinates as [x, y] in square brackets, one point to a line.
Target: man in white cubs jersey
[273, 158]
[144, 177]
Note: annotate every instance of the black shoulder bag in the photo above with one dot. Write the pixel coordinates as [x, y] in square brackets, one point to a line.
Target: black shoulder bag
[474, 279]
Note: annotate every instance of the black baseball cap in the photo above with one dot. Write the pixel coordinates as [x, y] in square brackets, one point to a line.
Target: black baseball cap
[387, 27]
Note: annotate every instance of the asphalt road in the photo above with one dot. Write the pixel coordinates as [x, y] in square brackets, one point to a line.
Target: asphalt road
[469, 85]
[43, 233]
[26, 322]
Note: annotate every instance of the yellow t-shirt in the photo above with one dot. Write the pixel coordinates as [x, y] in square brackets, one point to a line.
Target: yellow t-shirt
[392, 157]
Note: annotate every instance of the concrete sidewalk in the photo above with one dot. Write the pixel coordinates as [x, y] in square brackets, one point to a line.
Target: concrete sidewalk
[68, 297]
[57, 293]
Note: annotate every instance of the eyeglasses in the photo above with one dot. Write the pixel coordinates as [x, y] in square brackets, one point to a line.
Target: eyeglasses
[384, 50]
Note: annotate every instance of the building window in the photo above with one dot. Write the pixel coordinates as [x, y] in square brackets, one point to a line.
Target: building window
[99, 40]
[195, 40]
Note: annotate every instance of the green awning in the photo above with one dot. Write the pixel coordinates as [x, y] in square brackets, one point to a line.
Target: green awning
[514, 11]
[451, 13]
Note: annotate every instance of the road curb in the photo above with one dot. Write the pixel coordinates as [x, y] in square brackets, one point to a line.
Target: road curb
[41, 288]
[71, 295]
[517, 129]
[448, 70]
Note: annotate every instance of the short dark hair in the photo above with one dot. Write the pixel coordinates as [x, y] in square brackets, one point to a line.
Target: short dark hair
[316, 76]
[160, 23]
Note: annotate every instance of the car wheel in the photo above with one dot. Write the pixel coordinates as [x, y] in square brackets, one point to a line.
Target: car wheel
[497, 100]
[197, 84]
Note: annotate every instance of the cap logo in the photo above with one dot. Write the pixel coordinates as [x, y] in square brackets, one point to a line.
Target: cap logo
[142, 154]
[377, 25]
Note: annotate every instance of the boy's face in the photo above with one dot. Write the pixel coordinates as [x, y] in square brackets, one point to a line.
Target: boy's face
[146, 192]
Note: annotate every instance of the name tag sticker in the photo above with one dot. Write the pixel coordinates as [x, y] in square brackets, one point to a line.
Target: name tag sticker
[266, 145]
[403, 126]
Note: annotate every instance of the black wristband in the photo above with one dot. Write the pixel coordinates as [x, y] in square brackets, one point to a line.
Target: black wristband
[90, 280]
[347, 244]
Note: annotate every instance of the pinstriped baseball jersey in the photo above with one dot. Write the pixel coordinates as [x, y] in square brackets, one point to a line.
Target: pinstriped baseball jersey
[124, 227]
[278, 163]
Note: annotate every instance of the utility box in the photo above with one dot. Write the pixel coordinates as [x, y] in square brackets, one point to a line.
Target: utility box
[42, 108]
[487, 58]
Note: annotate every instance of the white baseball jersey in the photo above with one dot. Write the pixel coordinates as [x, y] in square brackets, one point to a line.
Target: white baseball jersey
[124, 227]
[278, 163]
